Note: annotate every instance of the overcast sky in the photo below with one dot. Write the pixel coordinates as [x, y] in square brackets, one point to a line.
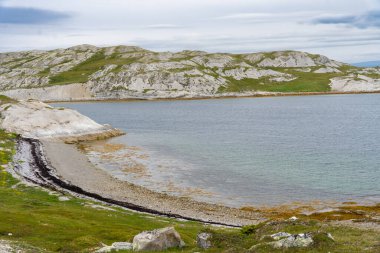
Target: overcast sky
[346, 30]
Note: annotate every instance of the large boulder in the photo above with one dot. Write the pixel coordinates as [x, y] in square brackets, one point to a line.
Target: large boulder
[158, 239]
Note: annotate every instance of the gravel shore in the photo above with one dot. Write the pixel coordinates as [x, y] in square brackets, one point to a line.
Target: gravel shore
[73, 166]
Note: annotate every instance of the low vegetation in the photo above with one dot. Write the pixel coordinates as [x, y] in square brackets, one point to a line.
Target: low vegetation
[37, 221]
[304, 82]
[6, 100]
[81, 72]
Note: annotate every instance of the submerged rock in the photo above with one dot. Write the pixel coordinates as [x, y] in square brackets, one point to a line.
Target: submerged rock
[204, 240]
[158, 239]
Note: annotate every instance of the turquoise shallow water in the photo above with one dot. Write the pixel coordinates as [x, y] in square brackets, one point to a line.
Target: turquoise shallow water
[255, 151]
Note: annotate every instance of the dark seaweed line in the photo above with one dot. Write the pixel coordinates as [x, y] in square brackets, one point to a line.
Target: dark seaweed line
[43, 170]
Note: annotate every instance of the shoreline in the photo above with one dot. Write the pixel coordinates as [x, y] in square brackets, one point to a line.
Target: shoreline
[261, 95]
[54, 162]
[62, 167]
[53, 168]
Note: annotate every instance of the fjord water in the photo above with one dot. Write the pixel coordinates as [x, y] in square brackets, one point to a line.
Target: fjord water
[257, 151]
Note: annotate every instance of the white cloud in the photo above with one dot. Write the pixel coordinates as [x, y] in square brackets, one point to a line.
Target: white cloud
[210, 25]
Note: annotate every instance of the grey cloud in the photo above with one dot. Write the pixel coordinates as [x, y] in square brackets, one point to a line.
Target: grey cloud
[19, 15]
[366, 20]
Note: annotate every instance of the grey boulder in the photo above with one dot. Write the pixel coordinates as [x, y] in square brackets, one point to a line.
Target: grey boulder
[204, 240]
[158, 239]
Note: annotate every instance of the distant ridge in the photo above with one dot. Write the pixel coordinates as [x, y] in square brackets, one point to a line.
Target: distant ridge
[87, 72]
[367, 64]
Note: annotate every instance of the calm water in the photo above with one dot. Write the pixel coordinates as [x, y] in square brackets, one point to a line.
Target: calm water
[255, 151]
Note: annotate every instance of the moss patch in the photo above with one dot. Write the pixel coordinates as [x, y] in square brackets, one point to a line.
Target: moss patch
[6, 100]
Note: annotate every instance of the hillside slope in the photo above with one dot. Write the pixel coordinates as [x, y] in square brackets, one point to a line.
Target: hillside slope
[89, 72]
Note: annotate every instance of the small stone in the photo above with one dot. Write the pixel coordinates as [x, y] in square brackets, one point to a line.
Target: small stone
[10, 234]
[204, 240]
[330, 236]
[294, 218]
[63, 198]
[122, 245]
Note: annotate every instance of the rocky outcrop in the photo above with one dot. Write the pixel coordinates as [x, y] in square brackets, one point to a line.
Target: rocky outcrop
[87, 72]
[355, 84]
[34, 119]
[327, 70]
[76, 91]
[298, 241]
[157, 240]
[283, 240]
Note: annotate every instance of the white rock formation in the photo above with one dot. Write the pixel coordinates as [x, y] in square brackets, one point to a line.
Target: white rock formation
[37, 120]
[288, 59]
[157, 240]
[349, 84]
[299, 241]
[76, 91]
[285, 240]
[133, 72]
[327, 70]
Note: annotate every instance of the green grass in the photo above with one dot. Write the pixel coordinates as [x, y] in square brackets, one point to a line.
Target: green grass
[44, 72]
[373, 75]
[6, 100]
[305, 82]
[38, 219]
[81, 72]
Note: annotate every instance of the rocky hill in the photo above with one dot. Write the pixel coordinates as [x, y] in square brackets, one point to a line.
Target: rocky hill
[89, 72]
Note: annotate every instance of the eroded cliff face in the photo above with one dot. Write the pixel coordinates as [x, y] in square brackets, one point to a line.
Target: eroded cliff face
[89, 72]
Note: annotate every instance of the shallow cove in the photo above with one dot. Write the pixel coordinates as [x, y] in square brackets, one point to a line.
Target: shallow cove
[246, 151]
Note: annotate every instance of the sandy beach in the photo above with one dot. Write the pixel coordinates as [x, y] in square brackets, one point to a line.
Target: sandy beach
[73, 166]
